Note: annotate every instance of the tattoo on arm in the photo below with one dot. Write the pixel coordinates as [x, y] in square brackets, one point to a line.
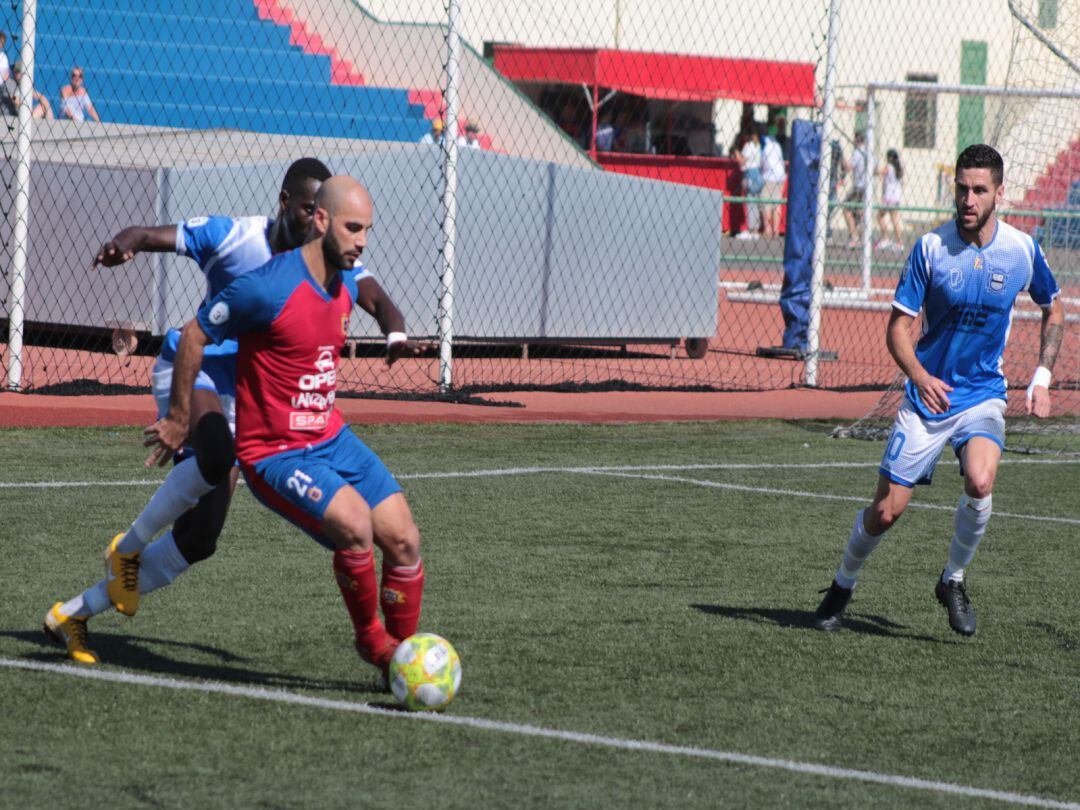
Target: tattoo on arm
[1051, 342]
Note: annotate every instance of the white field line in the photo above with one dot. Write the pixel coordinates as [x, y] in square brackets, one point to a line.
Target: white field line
[795, 493]
[281, 696]
[494, 473]
[645, 472]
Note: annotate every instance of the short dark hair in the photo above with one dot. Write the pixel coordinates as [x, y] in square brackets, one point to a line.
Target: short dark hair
[303, 170]
[981, 156]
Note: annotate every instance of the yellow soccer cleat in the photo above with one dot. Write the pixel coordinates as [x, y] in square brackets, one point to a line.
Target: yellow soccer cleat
[71, 632]
[122, 578]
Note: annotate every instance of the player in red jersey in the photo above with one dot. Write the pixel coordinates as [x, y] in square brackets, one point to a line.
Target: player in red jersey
[295, 450]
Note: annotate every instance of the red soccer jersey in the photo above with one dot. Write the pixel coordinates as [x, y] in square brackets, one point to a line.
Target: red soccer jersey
[291, 332]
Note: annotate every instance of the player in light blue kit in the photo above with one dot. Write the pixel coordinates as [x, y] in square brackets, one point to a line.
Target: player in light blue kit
[195, 496]
[963, 278]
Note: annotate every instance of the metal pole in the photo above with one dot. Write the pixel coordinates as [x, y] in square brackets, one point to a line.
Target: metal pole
[868, 197]
[21, 227]
[821, 218]
[450, 159]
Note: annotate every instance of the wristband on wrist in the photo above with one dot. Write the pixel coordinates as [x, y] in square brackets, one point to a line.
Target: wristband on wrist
[1041, 377]
[395, 337]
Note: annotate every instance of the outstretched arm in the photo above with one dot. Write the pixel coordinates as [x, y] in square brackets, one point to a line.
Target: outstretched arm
[1053, 331]
[933, 392]
[136, 239]
[373, 299]
[167, 434]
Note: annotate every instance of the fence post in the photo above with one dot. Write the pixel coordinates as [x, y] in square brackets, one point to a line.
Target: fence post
[868, 198]
[20, 231]
[821, 219]
[450, 159]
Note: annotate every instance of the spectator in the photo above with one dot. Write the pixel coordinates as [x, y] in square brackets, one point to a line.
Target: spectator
[5, 69]
[892, 173]
[774, 175]
[605, 134]
[779, 131]
[39, 106]
[472, 136]
[857, 169]
[749, 160]
[436, 134]
[75, 103]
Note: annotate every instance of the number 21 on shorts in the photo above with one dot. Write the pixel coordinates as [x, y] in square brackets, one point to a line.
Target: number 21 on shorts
[299, 482]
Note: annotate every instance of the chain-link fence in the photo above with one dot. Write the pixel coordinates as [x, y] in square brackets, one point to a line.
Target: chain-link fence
[566, 195]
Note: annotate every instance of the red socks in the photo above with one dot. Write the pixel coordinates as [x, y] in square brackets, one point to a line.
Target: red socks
[355, 573]
[401, 595]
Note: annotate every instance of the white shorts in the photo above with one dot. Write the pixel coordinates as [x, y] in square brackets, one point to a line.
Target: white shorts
[915, 444]
[161, 383]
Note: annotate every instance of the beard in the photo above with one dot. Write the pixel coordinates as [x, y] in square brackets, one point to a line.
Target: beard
[979, 222]
[333, 255]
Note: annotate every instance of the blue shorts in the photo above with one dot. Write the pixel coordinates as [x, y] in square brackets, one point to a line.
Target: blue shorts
[300, 484]
[915, 444]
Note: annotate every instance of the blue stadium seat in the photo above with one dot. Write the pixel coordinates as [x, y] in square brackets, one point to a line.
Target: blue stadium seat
[208, 64]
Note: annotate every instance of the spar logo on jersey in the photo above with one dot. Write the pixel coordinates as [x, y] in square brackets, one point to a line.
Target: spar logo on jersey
[306, 420]
[219, 313]
[997, 281]
[197, 222]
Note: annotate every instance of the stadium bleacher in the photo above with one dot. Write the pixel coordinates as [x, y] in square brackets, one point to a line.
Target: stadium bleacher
[212, 64]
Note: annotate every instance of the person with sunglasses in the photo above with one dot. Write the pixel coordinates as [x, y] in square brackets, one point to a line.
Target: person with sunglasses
[75, 103]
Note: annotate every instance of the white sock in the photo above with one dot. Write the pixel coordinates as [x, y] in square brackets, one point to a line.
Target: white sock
[160, 563]
[972, 515]
[91, 602]
[180, 491]
[860, 544]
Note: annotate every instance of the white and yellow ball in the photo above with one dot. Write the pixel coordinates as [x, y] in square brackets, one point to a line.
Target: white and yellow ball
[425, 673]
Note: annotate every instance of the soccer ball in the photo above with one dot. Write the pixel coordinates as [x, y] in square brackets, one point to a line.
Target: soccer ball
[425, 673]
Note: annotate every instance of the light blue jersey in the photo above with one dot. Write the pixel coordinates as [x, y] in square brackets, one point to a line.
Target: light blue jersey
[966, 296]
[224, 248]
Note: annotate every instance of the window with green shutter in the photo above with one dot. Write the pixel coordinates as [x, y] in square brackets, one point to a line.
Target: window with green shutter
[971, 110]
[1048, 13]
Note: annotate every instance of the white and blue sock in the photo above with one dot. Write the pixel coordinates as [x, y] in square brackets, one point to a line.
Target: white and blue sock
[91, 602]
[860, 544]
[972, 515]
[160, 564]
[180, 491]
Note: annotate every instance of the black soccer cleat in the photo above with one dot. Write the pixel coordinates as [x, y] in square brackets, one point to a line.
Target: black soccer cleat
[955, 599]
[827, 615]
